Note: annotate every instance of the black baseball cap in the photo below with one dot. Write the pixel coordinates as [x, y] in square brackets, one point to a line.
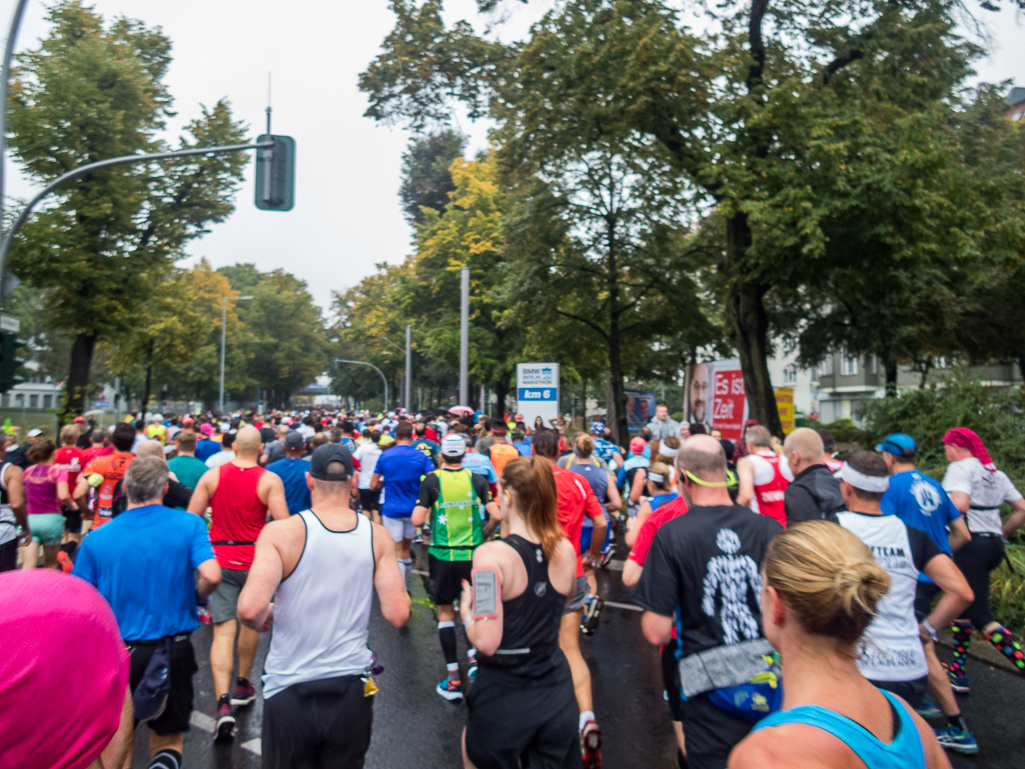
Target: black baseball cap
[325, 455]
[295, 441]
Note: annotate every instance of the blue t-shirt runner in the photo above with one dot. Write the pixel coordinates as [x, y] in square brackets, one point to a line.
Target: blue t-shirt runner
[401, 467]
[292, 472]
[921, 503]
[143, 562]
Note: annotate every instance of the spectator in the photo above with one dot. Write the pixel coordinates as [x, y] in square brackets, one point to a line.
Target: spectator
[662, 426]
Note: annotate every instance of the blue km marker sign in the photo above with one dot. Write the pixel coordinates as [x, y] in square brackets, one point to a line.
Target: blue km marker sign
[538, 394]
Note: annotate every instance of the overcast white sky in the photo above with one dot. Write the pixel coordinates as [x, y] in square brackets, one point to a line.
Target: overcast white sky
[347, 215]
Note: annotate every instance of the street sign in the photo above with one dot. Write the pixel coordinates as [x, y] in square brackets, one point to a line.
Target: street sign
[537, 391]
[9, 323]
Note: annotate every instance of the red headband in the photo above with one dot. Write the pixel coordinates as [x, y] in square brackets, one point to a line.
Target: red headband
[967, 439]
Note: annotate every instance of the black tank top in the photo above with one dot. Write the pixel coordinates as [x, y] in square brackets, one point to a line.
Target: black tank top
[530, 621]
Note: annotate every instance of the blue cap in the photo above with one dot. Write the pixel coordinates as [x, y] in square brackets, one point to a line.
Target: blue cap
[598, 428]
[897, 444]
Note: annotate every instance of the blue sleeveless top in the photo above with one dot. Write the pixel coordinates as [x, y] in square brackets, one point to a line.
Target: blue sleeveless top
[905, 752]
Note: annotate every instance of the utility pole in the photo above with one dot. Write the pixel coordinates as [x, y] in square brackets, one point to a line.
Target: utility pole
[409, 368]
[464, 337]
[224, 339]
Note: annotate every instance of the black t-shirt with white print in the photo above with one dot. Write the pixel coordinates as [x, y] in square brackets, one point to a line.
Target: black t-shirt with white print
[704, 566]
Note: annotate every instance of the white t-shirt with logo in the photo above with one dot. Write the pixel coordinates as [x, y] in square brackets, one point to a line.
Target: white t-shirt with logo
[890, 649]
[986, 492]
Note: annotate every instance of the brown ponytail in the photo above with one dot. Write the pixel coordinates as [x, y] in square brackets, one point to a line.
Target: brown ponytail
[533, 483]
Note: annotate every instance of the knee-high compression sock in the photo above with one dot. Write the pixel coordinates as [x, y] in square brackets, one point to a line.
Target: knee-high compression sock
[1006, 645]
[166, 759]
[962, 632]
[447, 636]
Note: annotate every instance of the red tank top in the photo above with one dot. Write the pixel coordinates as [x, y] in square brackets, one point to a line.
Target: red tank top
[770, 495]
[236, 515]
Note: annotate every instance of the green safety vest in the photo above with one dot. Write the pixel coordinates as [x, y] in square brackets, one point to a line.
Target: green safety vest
[457, 521]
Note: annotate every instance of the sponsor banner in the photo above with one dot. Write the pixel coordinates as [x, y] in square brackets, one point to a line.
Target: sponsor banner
[537, 391]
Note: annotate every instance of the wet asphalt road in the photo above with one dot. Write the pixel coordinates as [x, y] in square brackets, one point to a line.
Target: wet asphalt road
[415, 729]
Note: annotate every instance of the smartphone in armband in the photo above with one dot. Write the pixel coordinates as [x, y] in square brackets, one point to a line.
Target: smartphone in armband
[485, 593]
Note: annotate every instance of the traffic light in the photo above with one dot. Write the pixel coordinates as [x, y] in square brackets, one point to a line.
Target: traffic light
[9, 360]
[275, 174]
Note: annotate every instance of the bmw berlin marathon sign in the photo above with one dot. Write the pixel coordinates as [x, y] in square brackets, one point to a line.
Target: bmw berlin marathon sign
[537, 391]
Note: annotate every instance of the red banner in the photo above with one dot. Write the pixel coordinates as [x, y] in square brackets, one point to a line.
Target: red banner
[728, 402]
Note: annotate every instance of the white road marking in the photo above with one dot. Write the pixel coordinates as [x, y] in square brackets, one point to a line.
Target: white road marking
[615, 565]
[202, 721]
[253, 746]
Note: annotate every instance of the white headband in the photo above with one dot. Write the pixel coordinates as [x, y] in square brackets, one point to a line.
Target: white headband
[871, 483]
[668, 451]
[656, 477]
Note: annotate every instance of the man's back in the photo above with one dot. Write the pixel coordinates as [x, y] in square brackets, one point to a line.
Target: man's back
[705, 564]
[292, 472]
[237, 515]
[921, 502]
[188, 470]
[143, 563]
[206, 448]
[814, 495]
[402, 467]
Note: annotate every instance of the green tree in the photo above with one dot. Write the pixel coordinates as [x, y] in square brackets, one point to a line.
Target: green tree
[284, 331]
[90, 93]
[426, 180]
[777, 118]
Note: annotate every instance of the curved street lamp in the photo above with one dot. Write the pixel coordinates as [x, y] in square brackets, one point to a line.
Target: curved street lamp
[375, 368]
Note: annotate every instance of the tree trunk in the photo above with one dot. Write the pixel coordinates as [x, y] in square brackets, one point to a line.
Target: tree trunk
[620, 429]
[1021, 369]
[891, 378]
[149, 380]
[78, 377]
[583, 401]
[748, 324]
[501, 386]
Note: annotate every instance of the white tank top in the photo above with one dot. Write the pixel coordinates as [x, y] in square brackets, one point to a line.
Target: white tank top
[7, 519]
[321, 609]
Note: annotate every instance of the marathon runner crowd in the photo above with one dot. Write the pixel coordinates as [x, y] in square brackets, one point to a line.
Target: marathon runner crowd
[795, 600]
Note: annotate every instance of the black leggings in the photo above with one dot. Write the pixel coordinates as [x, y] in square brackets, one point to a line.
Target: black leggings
[976, 560]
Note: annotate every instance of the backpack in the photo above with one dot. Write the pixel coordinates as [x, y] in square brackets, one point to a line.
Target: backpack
[118, 499]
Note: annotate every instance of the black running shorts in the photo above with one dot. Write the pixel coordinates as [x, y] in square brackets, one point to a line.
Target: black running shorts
[671, 679]
[976, 560]
[533, 719]
[317, 723]
[369, 500]
[711, 733]
[445, 579]
[912, 692]
[178, 710]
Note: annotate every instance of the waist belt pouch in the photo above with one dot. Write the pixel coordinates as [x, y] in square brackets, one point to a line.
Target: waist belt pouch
[752, 701]
[150, 696]
[724, 666]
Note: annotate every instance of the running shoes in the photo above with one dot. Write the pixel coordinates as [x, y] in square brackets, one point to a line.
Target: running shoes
[590, 742]
[957, 740]
[592, 613]
[245, 693]
[471, 672]
[928, 708]
[450, 690]
[224, 730]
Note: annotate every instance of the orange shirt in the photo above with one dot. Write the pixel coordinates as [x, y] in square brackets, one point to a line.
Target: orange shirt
[112, 467]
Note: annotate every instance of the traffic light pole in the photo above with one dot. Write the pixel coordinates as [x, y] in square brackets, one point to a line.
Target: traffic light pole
[5, 247]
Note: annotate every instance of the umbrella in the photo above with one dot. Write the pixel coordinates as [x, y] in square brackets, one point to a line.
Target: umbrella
[461, 410]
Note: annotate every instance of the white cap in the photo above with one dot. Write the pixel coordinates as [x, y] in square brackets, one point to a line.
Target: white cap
[34, 433]
[453, 445]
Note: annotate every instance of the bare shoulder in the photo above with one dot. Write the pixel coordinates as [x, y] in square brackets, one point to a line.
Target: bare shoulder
[492, 554]
[792, 746]
[565, 552]
[284, 530]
